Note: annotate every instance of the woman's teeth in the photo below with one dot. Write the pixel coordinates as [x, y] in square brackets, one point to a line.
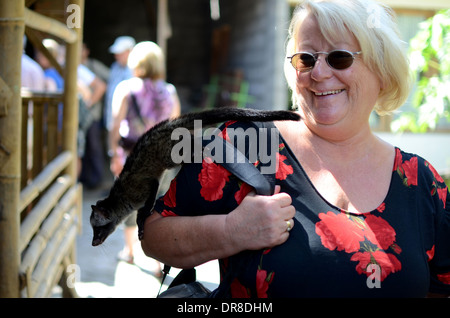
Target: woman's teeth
[328, 93]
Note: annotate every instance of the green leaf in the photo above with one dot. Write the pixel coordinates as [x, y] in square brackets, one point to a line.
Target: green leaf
[430, 59]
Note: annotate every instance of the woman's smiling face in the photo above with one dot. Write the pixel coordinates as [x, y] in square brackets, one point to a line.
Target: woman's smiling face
[334, 102]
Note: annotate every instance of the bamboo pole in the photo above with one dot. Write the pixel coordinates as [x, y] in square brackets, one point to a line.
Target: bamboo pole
[70, 114]
[33, 221]
[43, 180]
[42, 23]
[11, 46]
[163, 31]
[48, 229]
[52, 131]
[55, 250]
[44, 278]
[37, 43]
[24, 147]
[38, 139]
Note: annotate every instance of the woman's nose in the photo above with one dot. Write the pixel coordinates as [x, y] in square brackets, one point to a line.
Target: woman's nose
[321, 69]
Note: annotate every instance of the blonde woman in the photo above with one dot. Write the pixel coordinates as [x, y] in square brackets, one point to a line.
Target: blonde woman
[138, 104]
[352, 216]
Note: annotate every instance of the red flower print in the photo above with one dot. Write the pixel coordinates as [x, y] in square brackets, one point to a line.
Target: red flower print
[382, 207]
[388, 263]
[337, 231]
[407, 170]
[351, 234]
[166, 213]
[242, 193]
[238, 290]
[223, 133]
[213, 178]
[283, 169]
[410, 168]
[442, 193]
[170, 197]
[430, 254]
[364, 258]
[445, 278]
[397, 249]
[435, 173]
[262, 282]
[398, 159]
[383, 233]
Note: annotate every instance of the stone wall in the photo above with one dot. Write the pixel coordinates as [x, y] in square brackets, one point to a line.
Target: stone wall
[255, 46]
[259, 30]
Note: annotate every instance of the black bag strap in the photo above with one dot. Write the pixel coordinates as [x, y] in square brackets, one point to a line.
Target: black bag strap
[135, 106]
[239, 165]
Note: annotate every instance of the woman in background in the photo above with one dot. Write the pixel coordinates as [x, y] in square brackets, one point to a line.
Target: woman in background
[138, 104]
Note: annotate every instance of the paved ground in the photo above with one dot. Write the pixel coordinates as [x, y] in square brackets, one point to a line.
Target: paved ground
[102, 275]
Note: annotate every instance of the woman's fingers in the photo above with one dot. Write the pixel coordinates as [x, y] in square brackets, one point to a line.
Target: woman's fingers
[262, 221]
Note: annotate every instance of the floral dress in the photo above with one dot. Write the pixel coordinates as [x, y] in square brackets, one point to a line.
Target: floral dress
[400, 249]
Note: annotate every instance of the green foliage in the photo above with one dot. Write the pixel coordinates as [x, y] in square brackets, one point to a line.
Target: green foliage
[430, 62]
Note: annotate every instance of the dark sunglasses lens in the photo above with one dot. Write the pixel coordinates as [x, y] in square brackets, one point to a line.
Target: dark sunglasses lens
[340, 60]
[303, 61]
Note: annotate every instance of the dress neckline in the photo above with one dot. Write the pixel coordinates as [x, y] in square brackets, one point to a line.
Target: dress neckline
[380, 207]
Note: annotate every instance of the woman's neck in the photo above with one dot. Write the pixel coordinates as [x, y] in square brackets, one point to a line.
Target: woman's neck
[344, 170]
[344, 148]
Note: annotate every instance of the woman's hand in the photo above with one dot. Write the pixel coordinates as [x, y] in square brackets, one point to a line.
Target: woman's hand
[258, 222]
[261, 221]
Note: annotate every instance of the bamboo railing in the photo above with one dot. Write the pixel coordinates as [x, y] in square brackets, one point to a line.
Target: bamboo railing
[11, 30]
[40, 199]
[50, 200]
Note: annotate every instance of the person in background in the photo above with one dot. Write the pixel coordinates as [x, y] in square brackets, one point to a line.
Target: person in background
[91, 161]
[352, 215]
[51, 74]
[33, 77]
[138, 104]
[50, 71]
[97, 67]
[94, 160]
[119, 72]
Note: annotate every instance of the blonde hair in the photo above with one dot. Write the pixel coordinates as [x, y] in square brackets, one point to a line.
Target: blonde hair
[147, 60]
[374, 27]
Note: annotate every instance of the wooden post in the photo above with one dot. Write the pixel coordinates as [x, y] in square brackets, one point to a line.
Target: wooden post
[163, 31]
[12, 27]
[70, 112]
[39, 22]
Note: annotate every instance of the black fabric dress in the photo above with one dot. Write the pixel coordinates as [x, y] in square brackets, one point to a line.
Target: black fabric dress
[401, 249]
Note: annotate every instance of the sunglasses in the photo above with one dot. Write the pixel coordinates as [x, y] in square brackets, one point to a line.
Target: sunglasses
[337, 59]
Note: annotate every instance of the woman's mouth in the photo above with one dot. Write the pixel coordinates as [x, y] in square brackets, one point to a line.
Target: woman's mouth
[327, 93]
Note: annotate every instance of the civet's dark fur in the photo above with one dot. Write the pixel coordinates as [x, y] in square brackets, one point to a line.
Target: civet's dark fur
[137, 185]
